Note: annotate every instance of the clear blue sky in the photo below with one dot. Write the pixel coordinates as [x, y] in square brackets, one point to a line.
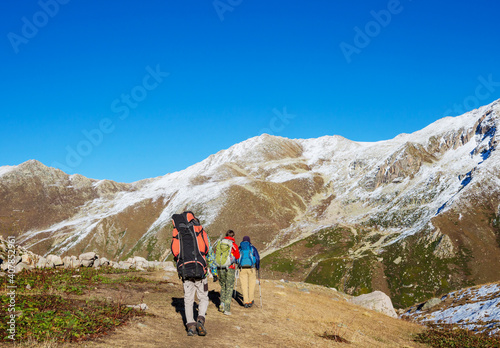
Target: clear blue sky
[67, 70]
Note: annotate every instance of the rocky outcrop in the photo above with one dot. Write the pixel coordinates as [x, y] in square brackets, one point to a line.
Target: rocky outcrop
[402, 164]
[444, 248]
[26, 260]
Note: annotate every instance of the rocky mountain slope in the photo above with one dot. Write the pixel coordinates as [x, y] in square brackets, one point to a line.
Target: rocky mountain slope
[412, 216]
[476, 308]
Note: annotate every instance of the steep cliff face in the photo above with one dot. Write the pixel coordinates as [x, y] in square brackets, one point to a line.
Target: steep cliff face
[432, 194]
[404, 163]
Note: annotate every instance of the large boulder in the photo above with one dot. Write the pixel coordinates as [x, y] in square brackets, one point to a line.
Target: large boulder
[41, 263]
[67, 262]
[44, 263]
[138, 262]
[4, 266]
[20, 266]
[71, 262]
[87, 263]
[97, 263]
[104, 261]
[138, 259]
[56, 260]
[88, 256]
[124, 265]
[377, 301]
[18, 259]
[169, 267]
[28, 259]
[157, 265]
[100, 262]
[75, 262]
[431, 303]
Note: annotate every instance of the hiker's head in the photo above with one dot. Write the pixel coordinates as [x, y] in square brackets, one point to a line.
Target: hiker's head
[246, 239]
[230, 233]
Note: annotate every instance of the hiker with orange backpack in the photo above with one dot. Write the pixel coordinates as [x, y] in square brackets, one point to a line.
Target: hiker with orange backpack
[191, 249]
[226, 255]
[249, 263]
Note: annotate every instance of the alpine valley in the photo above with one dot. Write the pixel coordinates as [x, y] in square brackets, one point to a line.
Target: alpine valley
[415, 216]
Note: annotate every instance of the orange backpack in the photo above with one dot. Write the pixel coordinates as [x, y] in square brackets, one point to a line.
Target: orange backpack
[189, 246]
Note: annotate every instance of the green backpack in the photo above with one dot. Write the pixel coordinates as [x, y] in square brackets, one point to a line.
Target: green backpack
[223, 257]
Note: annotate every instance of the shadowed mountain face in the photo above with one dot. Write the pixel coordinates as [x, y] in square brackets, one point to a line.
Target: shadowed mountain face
[412, 216]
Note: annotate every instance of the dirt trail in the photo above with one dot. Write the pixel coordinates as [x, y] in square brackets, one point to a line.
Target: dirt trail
[293, 315]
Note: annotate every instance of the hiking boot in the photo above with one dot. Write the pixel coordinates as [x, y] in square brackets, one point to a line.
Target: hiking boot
[250, 304]
[191, 329]
[227, 313]
[200, 326]
[247, 305]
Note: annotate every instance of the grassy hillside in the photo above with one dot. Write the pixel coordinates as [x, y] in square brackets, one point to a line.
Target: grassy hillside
[409, 271]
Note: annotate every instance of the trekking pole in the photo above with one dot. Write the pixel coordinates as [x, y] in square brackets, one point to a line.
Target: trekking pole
[260, 290]
[237, 275]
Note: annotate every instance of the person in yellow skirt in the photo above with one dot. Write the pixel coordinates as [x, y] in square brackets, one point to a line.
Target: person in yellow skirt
[249, 263]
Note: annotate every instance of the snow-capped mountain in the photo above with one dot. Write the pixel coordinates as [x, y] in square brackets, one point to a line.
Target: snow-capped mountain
[441, 183]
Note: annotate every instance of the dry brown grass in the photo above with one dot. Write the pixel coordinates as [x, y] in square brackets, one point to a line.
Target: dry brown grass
[35, 344]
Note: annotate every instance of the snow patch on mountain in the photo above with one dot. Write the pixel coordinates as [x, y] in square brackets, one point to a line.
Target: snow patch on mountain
[7, 169]
[476, 308]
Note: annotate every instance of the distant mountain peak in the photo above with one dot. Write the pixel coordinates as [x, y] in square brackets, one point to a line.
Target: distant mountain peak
[441, 183]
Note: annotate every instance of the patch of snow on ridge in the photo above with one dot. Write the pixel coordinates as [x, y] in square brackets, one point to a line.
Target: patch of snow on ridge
[175, 186]
[6, 169]
[325, 148]
[97, 183]
[211, 196]
[476, 308]
[285, 176]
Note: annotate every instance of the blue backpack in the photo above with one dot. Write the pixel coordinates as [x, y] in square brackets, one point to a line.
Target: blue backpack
[247, 258]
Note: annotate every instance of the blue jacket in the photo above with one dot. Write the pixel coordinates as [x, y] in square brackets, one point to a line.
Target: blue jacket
[255, 254]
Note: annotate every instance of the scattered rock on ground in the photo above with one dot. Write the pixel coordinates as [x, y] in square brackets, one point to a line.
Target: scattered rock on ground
[431, 303]
[142, 306]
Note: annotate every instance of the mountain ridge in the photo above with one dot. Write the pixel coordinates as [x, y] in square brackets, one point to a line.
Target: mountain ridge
[281, 191]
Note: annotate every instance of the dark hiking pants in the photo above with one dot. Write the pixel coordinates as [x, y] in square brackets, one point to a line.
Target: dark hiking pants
[226, 280]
